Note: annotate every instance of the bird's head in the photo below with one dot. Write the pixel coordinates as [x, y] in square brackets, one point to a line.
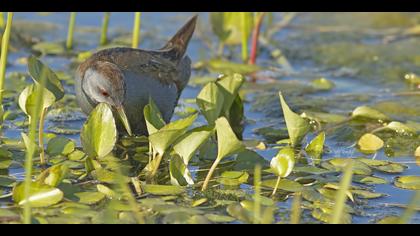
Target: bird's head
[103, 82]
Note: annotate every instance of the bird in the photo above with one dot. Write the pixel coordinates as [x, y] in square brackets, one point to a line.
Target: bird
[126, 78]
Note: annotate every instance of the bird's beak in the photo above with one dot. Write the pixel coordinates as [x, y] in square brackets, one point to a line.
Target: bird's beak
[124, 120]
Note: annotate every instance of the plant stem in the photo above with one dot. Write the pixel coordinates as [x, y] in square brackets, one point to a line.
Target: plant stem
[341, 197]
[255, 37]
[296, 212]
[276, 187]
[210, 174]
[104, 30]
[31, 147]
[4, 51]
[257, 194]
[41, 136]
[244, 37]
[72, 20]
[136, 30]
[156, 163]
[1, 20]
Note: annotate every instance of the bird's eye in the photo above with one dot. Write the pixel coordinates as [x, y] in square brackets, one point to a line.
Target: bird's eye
[103, 92]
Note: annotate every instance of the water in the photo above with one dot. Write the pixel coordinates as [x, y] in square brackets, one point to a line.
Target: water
[158, 27]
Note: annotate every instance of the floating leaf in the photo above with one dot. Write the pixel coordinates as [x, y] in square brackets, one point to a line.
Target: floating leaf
[367, 194]
[323, 84]
[99, 133]
[219, 218]
[60, 146]
[233, 178]
[370, 143]
[359, 168]
[49, 48]
[369, 180]
[37, 69]
[210, 101]
[282, 164]
[5, 159]
[7, 181]
[408, 182]
[40, 195]
[400, 127]
[89, 198]
[297, 126]
[229, 67]
[284, 184]
[54, 175]
[316, 147]
[163, 189]
[366, 112]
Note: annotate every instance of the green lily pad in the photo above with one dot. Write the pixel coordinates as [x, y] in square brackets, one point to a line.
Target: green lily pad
[233, 178]
[370, 143]
[40, 195]
[285, 184]
[359, 167]
[370, 180]
[322, 84]
[7, 181]
[219, 218]
[50, 48]
[60, 146]
[408, 182]
[89, 198]
[163, 189]
[366, 112]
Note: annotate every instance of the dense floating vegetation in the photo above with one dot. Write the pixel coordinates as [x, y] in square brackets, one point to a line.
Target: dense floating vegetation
[202, 167]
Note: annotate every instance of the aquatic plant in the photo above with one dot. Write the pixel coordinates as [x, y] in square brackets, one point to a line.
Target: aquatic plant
[104, 30]
[136, 30]
[70, 32]
[4, 52]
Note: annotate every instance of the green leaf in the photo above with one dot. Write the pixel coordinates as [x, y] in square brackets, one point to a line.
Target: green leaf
[41, 195]
[180, 175]
[228, 26]
[417, 152]
[229, 86]
[89, 198]
[217, 25]
[297, 126]
[370, 143]
[49, 48]
[210, 101]
[168, 135]
[366, 112]
[28, 98]
[60, 146]
[323, 84]
[153, 117]
[37, 69]
[54, 175]
[400, 128]
[359, 168]
[233, 178]
[99, 133]
[370, 180]
[7, 181]
[408, 182]
[284, 184]
[228, 143]
[282, 164]
[192, 141]
[316, 147]
[163, 189]
[5, 159]
[229, 67]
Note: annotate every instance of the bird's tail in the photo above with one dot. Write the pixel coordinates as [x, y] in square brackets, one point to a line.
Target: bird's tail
[177, 46]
